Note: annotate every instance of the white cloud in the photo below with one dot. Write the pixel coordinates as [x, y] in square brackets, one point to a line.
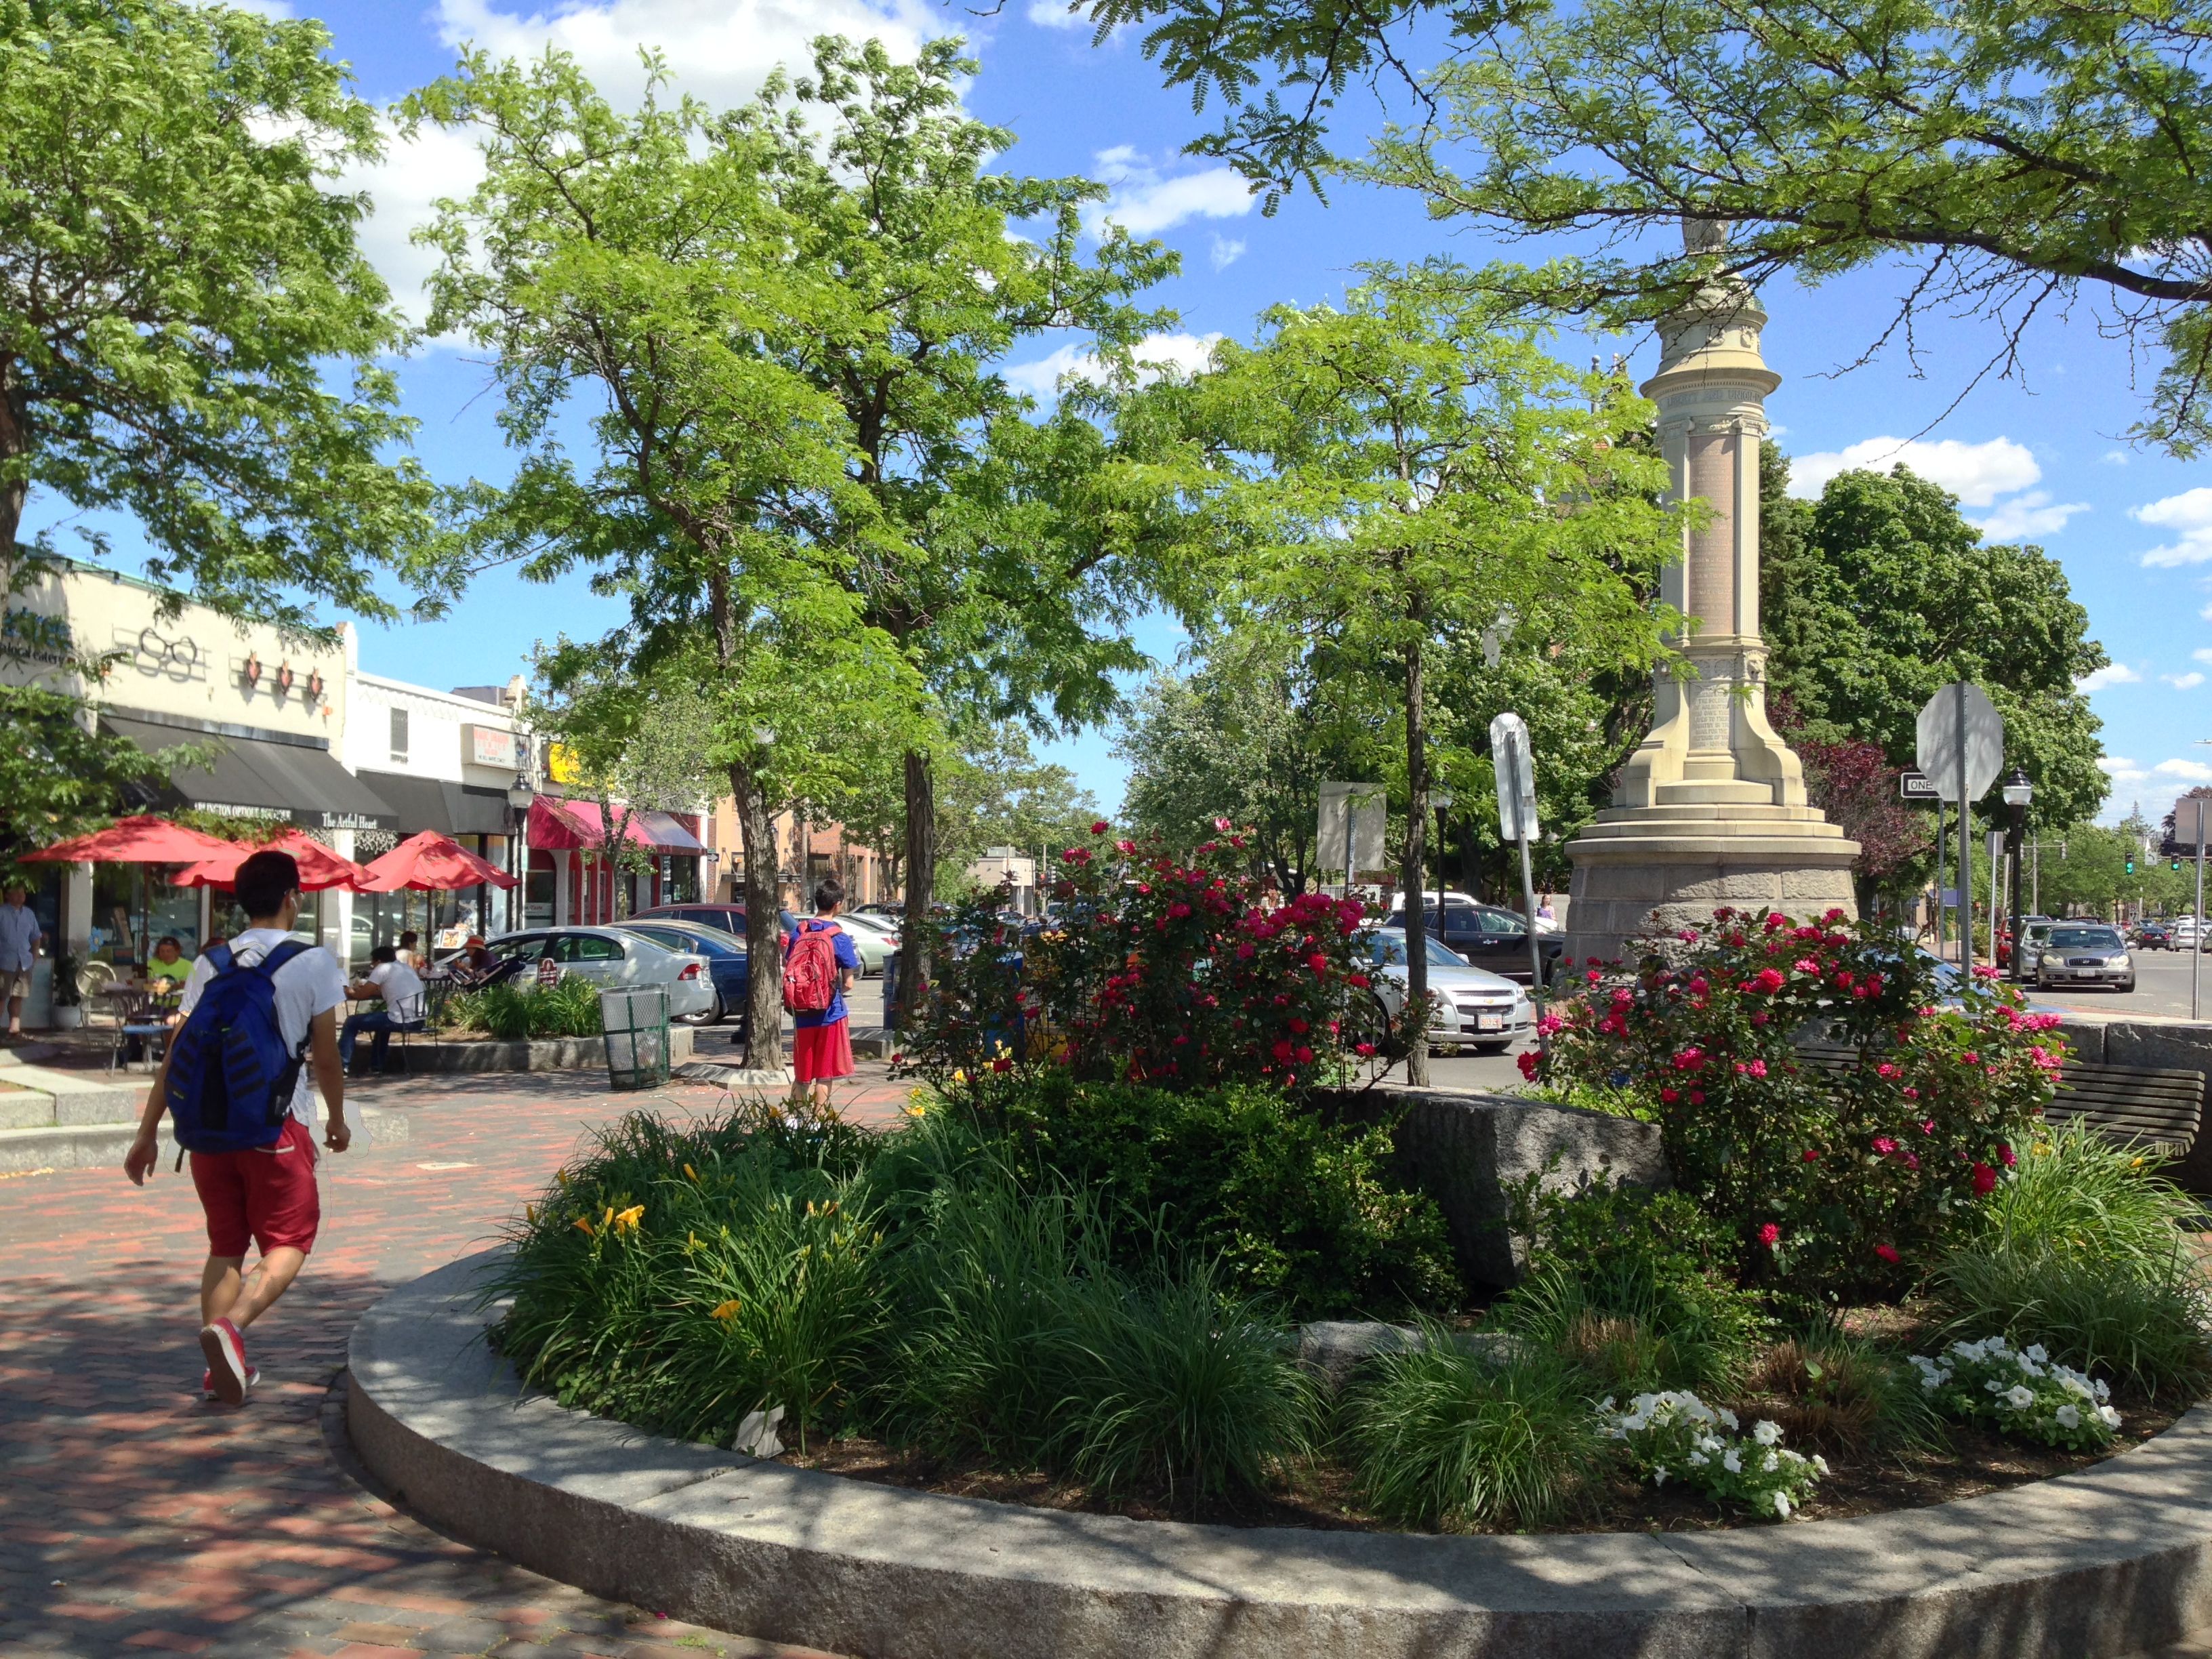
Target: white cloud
[1976, 473]
[2188, 771]
[2204, 655]
[2114, 458]
[401, 188]
[2117, 673]
[2188, 682]
[2190, 514]
[2123, 774]
[1226, 252]
[1059, 15]
[1156, 353]
[2032, 514]
[1146, 202]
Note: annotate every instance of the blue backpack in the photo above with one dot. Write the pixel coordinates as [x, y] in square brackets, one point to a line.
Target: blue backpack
[231, 1076]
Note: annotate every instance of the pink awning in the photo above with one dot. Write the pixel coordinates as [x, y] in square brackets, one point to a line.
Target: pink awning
[557, 825]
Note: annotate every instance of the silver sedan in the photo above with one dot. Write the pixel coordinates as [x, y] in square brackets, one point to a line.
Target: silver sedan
[1474, 1008]
[611, 957]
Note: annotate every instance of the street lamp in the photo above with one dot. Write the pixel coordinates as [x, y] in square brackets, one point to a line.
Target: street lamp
[2018, 792]
[519, 794]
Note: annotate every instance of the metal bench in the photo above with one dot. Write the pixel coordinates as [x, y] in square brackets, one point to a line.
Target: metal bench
[2128, 1103]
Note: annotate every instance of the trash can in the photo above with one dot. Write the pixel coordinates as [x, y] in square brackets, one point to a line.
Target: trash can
[891, 991]
[635, 1018]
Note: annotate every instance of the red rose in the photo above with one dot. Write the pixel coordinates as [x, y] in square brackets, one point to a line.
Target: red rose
[1808, 1156]
[1985, 1180]
[1318, 963]
[1528, 1062]
[1098, 827]
[1887, 1253]
[1770, 1235]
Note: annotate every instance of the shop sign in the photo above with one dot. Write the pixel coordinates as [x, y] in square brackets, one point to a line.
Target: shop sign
[318, 819]
[493, 745]
[33, 636]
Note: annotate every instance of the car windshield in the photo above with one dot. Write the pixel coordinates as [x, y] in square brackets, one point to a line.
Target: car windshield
[2085, 939]
[1390, 949]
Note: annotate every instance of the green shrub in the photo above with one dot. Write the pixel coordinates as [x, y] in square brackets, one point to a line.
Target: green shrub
[1440, 1438]
[2136, 1324]
[1839, 1394]
[2074, 1189]
[1630, 1285]
[1297, 1209]
[680, 1281]
[569, 1007]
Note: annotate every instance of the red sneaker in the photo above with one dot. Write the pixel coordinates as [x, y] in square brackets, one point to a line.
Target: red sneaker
[229, 1375]
[207, 1382]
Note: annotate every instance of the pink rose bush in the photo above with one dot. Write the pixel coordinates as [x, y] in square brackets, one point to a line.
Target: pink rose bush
[1153, 970]
[1832, 1181]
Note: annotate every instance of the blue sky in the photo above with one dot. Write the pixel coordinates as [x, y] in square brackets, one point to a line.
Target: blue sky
[2039, 458]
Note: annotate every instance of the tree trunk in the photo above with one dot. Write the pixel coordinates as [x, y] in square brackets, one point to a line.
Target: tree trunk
[764, 935]
[1416, 860]
[15, 441]
[915, 933]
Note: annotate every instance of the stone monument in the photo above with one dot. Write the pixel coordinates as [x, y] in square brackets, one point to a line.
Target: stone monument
[1710, 810]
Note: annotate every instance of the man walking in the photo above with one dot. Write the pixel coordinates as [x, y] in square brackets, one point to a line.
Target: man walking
[819, 963]
[20, 934]
[265, 1194]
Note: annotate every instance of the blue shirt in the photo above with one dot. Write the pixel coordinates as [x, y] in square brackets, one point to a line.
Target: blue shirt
[19, 932]
[847, 959]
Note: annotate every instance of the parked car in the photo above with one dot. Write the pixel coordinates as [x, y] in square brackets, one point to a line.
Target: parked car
[1475, 1009]
[729, 964]
[873, 940]
[2034, 932]
[730, 917]
[610, 956]
[1485, 935]
[2084, 953]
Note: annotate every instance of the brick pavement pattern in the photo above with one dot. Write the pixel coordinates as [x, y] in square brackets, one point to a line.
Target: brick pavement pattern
[134, 1518]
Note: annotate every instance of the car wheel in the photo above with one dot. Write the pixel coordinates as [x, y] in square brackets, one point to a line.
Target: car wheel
[2126, 986]
[1492, 1047]
[712, 1016]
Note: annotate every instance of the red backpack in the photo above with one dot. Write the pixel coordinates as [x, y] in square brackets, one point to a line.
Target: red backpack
[810, 971]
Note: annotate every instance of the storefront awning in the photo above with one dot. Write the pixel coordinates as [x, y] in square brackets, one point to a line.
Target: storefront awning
[263, 775]
[451, 809]
[555, 824]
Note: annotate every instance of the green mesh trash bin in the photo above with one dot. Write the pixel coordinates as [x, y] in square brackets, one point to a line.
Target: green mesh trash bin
[636, 1022]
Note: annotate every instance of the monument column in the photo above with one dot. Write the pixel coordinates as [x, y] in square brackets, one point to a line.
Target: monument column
[1710, 810]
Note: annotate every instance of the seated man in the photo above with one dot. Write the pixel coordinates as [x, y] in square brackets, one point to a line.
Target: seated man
[401, 989]
[474, 964]
[168, 970]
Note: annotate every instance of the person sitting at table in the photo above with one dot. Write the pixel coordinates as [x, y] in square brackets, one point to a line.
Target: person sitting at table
[410, 956]
[475, 964]
[168, 970]
[400, 989]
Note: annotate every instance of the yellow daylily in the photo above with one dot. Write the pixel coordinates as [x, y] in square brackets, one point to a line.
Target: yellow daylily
[628, 1219]
[691, 1175]
[727, 1311]
[584, 1226]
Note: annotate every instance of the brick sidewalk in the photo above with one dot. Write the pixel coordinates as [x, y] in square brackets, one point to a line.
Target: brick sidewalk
[134, 1518]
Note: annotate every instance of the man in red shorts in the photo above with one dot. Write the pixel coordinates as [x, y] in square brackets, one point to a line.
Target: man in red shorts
[822, 1039]
[265, 1194]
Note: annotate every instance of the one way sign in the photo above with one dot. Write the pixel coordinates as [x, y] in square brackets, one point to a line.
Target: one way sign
[1912, 784]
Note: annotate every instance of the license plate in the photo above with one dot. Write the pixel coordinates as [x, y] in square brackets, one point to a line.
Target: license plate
[1489, 1022]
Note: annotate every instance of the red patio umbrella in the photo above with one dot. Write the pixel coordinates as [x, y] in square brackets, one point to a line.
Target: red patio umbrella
[430, 863]
[133, 840]
[320, 869]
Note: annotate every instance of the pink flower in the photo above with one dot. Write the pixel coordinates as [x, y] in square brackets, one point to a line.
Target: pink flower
[1305, 1055]
[1776, 921]
[1885, 1070]
[1528, 1062]
[1360, 981]
[1550, 1022]
[1884, 1144]
[1887, 1253]
[1318, 963]
[1806, 965]
[1971, 1058]
[1125, 846]
[2006, 1156]
[1808, 1156]
[1098, 826]
[1670, 1095]
[1689, 1060]
[1770, 1235]
[1768, 980]
[1985, 1180]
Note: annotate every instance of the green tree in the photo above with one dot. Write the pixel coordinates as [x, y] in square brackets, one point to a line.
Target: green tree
[634, 267]
[1880, 593]
[2020, 151]
[999, 568]
[1378, 476]
[59, 776]
[180, 289]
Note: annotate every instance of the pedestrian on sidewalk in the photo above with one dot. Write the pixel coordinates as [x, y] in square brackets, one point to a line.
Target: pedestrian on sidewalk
[819, 963]
[241, 1083]
[20, 934]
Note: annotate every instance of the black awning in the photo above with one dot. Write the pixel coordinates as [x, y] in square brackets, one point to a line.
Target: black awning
[256, 774]
[451, 809]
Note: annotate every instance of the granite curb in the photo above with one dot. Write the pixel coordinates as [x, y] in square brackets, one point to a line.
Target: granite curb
[2092, 1565]
[101, 1145]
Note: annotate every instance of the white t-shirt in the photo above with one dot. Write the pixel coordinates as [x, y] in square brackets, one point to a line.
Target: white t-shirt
[402, 986]
[311, 983]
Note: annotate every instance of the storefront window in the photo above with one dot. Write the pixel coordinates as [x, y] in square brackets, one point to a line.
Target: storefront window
[681, 885]
[537, 891]
[133, 905]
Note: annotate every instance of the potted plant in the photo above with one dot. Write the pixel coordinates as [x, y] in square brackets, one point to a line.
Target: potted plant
[66, 999]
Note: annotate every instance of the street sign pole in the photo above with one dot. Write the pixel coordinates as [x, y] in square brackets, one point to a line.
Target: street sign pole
[1515, 763]
[1942, 931]
[2196, 937]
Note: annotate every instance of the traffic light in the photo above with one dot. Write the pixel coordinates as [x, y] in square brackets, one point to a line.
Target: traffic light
[2175, 866]
[2131, 866]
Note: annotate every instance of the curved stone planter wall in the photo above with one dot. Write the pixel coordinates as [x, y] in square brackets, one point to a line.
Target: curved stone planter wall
[2098, 1563]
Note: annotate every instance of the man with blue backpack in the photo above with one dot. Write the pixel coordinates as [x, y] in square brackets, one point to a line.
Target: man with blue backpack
[258, 1040]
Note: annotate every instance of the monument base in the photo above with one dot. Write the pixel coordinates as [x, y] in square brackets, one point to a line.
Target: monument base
[1646, 870]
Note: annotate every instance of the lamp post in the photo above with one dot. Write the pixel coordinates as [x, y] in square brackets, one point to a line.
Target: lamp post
[2018, 792]
[519, 794]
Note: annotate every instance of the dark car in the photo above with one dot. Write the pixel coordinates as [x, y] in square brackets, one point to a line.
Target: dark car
[728, 963]
[1486, 936]
[2155, 936]
[729, 918]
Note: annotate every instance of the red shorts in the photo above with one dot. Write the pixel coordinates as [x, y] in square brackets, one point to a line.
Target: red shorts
[266, 1193]
[822, 1052]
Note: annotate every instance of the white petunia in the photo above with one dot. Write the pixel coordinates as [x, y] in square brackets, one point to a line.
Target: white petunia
[1766, 1433]
[1732, 1461]
[1781, 1505]
[2112, 1419]
[2034, 1350]
[2067, 1417]
[2019, 1398]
